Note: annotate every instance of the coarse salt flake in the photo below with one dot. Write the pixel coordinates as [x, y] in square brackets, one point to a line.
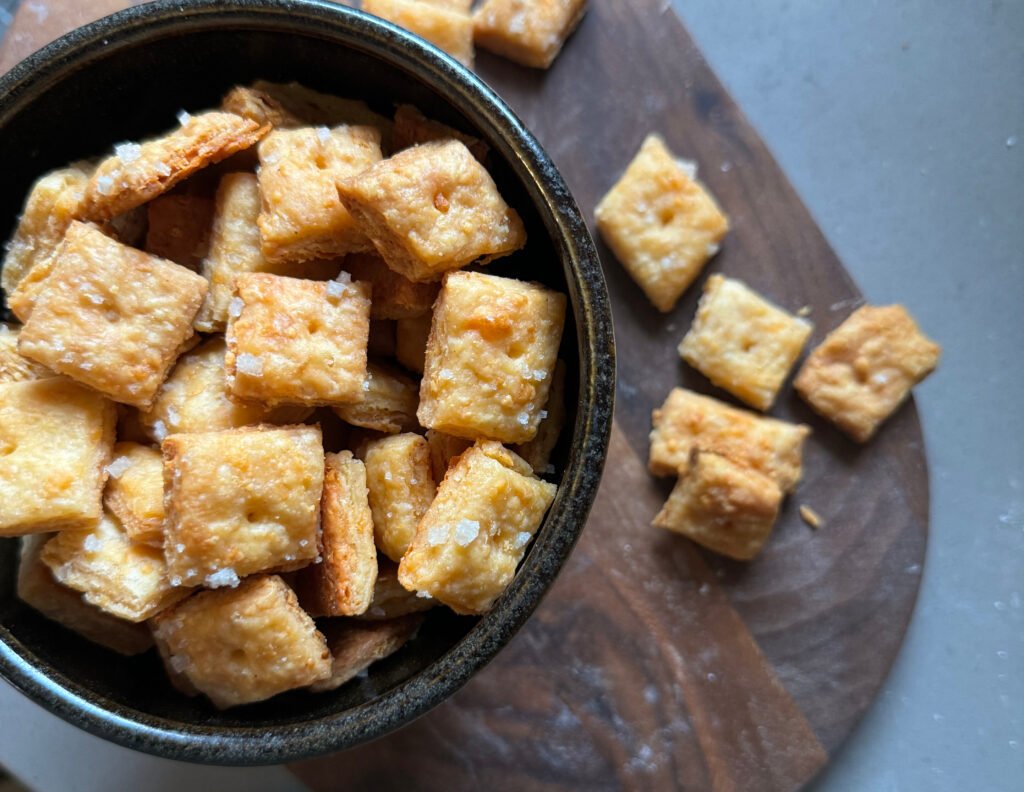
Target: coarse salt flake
[540, 375]
[104, 185]
[176, 580]
[172, 416]
[324, 134]
[118, 466]
[446, 374]
[466, 531]
[222, 577]
[179, 547]
[437, 534]
[423, 595]
[178, 662]
[249, 364]
[159, 431]
[543, 414]
[689, 167]
[235, 307]
[335, 289]
[92, 543]
[128, 152]
[523, 418]
[184, 117]
[387, 475]
[521, 539]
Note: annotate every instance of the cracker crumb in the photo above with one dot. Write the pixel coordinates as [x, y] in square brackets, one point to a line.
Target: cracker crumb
[804, 311]
[810, 516]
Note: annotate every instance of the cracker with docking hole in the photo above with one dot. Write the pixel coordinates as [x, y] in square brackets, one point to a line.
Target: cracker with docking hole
[865, 368]
[112, 317]
[389, 402]
[342, 585]
[38, 589]
[440, 23]
[135, 492]
[490, 356]
[661, 223]
[722, 505]
[55, 440]
[298, 341]
[394, 295]
[401, 486]
[475, 533]
[356, 645]
[241, 501]
[242, 645]
[178, 228]
[688, 420]
[123, 578]
[743, 343]
[433, 208]
[302, 217]
[529, 32]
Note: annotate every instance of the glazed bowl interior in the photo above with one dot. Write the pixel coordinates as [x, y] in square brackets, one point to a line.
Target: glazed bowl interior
[125, 78]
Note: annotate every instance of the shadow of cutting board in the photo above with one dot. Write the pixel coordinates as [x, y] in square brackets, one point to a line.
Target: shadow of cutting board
[652, 665]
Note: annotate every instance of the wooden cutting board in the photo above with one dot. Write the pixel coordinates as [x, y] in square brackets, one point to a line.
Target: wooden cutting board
[651, 664]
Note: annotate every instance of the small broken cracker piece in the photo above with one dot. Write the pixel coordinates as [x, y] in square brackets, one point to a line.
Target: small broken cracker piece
[179, 228]
[298, 341]
[241, 501]
[235, 248]
[302, 217]
[722, 505]
[538, 450]
[743, 343]
[356, 645]
[115, 574]
[443, 449]
[412, 128]
[810, 516]
[394, 295]
[135, 492]
[194, 398]
[865, 368]
[55, 439]
[342, 585]
[411, 341]
[432, 208]
[401, 486]
[51, 205]
[138, 173]
[661, 223]
[390, 598]
[112, 317]
[15, 367]
[389, 402]
[529, 32]
[242, 645]
[473, 536]
[38, 589]
[688, 420]
[446, 28]
[490, 356]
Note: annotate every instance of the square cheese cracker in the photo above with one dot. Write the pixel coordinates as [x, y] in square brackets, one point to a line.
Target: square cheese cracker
[241, 501]
[135, 492]
[491, 353]
[112, 317]
[55, 439]
[447, 28]
[474, 534]
[865, 368]
[389, 402]
[660, 223]
[530, 32]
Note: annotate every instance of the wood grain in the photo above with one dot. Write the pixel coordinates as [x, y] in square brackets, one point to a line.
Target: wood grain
[652, 665]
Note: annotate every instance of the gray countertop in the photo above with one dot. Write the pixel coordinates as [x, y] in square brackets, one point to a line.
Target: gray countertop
[898, 122]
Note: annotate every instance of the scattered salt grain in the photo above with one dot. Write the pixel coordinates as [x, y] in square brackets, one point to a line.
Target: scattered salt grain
[235, 307]
[104, 185]
[423, 595]
[92, 543]
[172, 416]
[249, 364]
[159, 431]
[343, 277]
[466, 531]
[128, 152]
[543, 414]
[523, 418]
[445, 374]
[324, 134]
[540, 375]
[689, 167]
[711, 249]
[437, 534]
[303, 542]
[176, 580]
[184, 117]
[179, 547]
[162, 169]
[387, 475]
[521, 539]
[94, 298]
[178, 662]
[118, 466]
[335, 289]
[222, 577]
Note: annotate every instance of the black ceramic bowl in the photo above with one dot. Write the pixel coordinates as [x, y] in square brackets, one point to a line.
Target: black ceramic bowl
[125, 77]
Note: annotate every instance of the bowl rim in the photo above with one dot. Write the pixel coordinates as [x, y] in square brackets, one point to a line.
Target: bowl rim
[591, 309]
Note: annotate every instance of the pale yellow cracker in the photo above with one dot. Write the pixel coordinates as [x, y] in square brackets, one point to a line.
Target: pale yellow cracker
[302, 217]
[52, 203]
[688, 420]
[723, 506]
[342, 585]
[242, 645]
[530, 32]
[474, 534]
[865, 368]
[241, 501]
[411, 341]
[55, 438]
[179, 228]
[135, 492]
[125, 579]
[443, 449]
[112, 317]
[443, 26]
[38, 589]
[389, 402]
[298, 341]
[15, 367]
[355, 646]
[194, 398]
[138, 173]
[491, 353]
[235, 248]
[538, 450]
[394, 295]
[743, 343]
[412, 128]
[661, 223]
[401, 488]
[390, 598]
[433, 208]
